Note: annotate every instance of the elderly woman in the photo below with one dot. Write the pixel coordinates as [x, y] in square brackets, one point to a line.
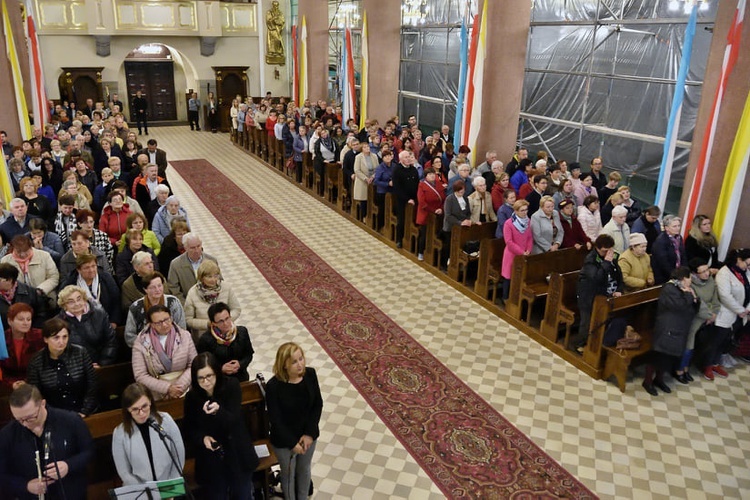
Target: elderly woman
[326, 151]
[635, 264]
[668, 251]
[162, 354]
[546, 228]
[140, 454]
[703, 243]
[38, 205]
[618, 229]
[140, 223]
[678, 305]
[63, 371]
[480, 202]
[88, 324]
[172, 247]
[133, 245]
[456, 209]
[734, 294]
[589, 217]
[71, 187]
[100, 287]
[295, 405]
[36, 267]
[430, 199]
[573, 233]
[98, 239]
[114, 217]
[154, 284]
[383, 185]
[42, 239]
[165, 215]
[228, 342]
[464, 171]
[565, 192]
[21, 341]
[364, 173]
[162, 194]
[224, 462]
[208, 290]
[518, 241]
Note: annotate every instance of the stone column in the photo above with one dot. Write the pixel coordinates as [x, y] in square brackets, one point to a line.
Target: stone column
[732, 106]
[316, 16]
[384, 26]
[507, 32]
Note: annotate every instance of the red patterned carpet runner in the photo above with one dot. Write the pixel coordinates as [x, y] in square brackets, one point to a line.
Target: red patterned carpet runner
[466, 447]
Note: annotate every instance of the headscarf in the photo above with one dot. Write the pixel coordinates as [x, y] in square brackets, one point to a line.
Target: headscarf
[23, 263]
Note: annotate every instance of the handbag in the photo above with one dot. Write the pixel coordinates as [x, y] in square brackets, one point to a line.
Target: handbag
[615, 331]
[631, 340]
[670, 343]
[290, 163]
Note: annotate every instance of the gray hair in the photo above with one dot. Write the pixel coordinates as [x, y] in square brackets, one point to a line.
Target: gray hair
[478, 181]
[187, 238]
[669, 219]
[139, 257]
[162, 188]
[16, 201]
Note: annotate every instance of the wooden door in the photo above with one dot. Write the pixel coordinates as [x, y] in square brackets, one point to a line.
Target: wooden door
[155, 80]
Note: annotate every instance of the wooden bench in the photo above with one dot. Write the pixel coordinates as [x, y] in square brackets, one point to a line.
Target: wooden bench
[248, 138]
[460, 235]
[257, 145]
[529, 277]
[488, 268]
[411, 229]
[333, 182]
[280, 155]
[308, 172]
[640, 309]
[391, 220]
[373, 210]
[562, 306]
[433, 249]
[264, 145]
[102, 473]
[111, 380]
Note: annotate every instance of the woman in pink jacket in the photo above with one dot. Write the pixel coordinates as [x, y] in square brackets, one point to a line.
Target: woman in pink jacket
[162, 354]
[518, 241]
[114, 218]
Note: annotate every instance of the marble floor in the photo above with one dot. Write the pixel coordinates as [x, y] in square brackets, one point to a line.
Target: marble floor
[693, 443]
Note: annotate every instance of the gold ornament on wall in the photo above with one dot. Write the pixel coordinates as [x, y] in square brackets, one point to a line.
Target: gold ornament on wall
[274, 35]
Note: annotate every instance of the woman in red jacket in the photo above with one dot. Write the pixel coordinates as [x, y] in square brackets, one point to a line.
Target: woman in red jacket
[115, 217]
[573, 233]
[430, 199]
[22, 343]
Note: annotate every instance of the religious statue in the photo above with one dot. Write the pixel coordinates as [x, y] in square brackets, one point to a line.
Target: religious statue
[274, 35]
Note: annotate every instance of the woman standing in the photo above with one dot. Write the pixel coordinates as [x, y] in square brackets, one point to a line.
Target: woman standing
[677, 306]
[734, 294]
[300, 146]
[208, 290]
[430, 199]
[518, 241]
[588, 216]
[162, 224]
[224, 456]
[364, 172]
[702, 243]
[114, 218]
[139, 456]
[22, 342]
[546, 228]
[295, 405]
[63, 372]
[668, 251]
[213, 115]
[383, 185]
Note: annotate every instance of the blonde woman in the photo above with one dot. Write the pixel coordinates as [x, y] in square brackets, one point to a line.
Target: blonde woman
[208, 290]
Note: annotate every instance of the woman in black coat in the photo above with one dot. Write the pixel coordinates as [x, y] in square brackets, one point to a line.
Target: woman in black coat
[225, 458]
[63, 372]
[88, 325]
[677, 307]
[668, 251]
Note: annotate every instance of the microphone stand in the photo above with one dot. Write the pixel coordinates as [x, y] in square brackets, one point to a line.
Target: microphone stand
[164, 436]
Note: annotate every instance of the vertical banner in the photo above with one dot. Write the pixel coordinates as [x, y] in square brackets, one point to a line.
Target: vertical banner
[673, 127]
[303, 85]
[365, 74]
[731, 53]
[464, 58]
[38, 94]
[349, 92]
[734, 182]
[469, 91]
[473, 120]
[295, 67]
[10, 45]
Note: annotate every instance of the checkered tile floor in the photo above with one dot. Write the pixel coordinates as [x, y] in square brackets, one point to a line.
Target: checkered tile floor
[693, 443]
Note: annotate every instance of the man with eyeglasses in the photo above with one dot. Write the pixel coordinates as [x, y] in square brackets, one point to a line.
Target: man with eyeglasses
[60, 437]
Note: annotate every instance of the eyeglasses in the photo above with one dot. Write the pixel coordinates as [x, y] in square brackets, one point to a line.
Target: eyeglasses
[163, 322]
[207, 378]
[26, 420]
[140, 409]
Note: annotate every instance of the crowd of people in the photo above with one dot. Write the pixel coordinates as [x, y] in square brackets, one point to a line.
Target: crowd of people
[540, 205]
[95, 243]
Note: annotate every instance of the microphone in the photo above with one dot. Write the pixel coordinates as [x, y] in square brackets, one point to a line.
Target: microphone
[158, 428]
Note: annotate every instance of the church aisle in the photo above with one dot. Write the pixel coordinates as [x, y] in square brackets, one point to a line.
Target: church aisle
[619, 445]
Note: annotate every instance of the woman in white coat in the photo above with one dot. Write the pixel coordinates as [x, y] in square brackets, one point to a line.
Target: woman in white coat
[208, 290]
[734, 295]
[139, 452]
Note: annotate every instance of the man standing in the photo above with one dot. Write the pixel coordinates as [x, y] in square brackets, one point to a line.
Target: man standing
[140, 105]
[117, 102]
[600, 180]
[156, 156]
[194, 106]
[59, 438]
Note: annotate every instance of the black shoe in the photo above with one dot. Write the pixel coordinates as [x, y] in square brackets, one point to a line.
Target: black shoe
[688, 376]
[650, 389]
[680, 377]
[659, 384]
[147, 132]
[198, 129]
[399, 245]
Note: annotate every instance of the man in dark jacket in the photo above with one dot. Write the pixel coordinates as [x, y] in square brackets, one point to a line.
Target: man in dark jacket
[62, 439]
[600, 275]
[405, 187]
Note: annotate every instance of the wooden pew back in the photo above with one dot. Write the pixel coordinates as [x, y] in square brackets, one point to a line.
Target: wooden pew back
[434, 245]
[562, 305]
[460, 235]
[488, 270]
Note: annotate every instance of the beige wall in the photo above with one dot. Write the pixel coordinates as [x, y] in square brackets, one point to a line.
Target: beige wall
[316, 17]
[384, 24]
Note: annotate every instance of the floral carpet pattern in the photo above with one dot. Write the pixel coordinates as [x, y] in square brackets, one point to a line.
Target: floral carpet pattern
[465, 445]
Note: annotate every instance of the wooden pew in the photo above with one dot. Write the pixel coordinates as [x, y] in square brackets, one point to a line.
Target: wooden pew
[241, 138]
[391, 221]
[103, 475]
[248, 138]
[411, 229]
[264, 145]
[561, 307]
[308, 172]
[460, 235]
[280, 155]
[257, 146]
[640, 309]
[271, 140]
[488, 268]
[332, 188]
[529, 277]
[111, 380]
[433, 248]
[343, 198]
[372, 207]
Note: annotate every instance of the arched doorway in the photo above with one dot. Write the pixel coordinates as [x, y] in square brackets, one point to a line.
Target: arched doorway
[150, 69]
